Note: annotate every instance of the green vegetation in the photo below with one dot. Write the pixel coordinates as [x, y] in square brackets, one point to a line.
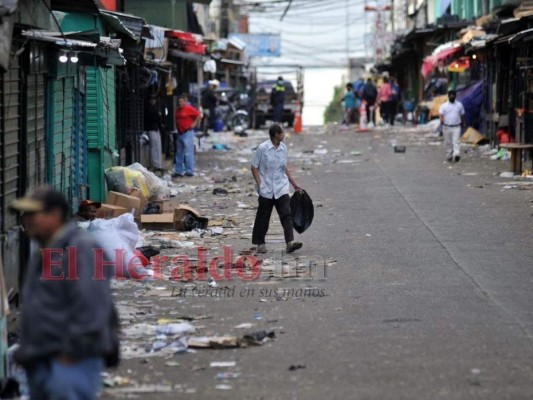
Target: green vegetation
[334, 111]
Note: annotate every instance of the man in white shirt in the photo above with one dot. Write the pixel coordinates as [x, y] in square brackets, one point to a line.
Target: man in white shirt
[269, 169]
[452, 118]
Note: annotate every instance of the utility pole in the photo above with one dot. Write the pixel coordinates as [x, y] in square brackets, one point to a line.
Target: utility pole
[379, 30]
[224, 18]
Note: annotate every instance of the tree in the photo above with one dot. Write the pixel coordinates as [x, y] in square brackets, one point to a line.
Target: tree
[334, 111]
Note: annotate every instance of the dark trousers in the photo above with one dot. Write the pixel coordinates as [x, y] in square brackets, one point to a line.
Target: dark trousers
[368, 112]
[278, 112]
[393, 110]
[262, 218]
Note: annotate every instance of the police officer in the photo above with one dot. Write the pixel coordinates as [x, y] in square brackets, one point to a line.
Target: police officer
[277, 99]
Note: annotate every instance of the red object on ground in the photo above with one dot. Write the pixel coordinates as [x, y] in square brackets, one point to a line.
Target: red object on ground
[503, 136]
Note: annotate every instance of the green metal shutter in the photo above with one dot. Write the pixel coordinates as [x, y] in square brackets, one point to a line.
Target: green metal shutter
[9, 142]
[79, 143]
[60, 119]
[35, 130]
[101, 127]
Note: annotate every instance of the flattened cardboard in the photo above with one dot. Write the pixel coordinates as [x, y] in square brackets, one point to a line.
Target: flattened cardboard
[108, 211]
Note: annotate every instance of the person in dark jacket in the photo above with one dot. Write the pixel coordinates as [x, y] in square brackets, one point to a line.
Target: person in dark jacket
[152, 126]
[370, 95]
[209, 105]
[69, 325]
[277, 99]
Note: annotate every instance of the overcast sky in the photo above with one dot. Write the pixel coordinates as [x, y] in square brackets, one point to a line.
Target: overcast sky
[320, 35]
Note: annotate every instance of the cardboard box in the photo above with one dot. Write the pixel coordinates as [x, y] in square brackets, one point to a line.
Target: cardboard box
[108, 211]
[139, 194]
[182, 211]
[158, 222]
[123, 200]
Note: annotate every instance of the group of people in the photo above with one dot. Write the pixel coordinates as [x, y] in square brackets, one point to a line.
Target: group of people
[387, 98]
[187, 120]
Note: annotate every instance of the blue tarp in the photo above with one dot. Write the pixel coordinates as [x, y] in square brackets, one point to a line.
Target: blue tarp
[472, 99]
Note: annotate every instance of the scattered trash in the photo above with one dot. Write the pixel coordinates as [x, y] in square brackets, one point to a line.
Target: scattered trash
[183, 328]
[212, 283]
[258, 338]
[214, 342]
[355, 153]
[297, 366]
[258, 316]
[223, 387]
[320, 151]
[227, 375]
[222, 364]
[399, 149]
[245, 325]
[173, 364]
[219, 146]
[220, 192]
[507, 175]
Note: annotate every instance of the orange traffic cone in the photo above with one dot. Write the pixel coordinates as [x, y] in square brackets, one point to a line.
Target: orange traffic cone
[297, 127]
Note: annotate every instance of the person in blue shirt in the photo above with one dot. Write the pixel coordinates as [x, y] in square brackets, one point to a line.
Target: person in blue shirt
[349, 100]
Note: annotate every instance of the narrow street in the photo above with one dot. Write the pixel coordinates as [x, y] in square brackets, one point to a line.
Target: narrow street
[427, 291]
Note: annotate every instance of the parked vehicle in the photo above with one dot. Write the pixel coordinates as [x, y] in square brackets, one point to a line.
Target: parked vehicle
[231, 110]
[263, 109]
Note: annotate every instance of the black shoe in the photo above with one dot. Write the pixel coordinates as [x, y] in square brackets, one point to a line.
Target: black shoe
[457, 158]
[293, 246]
[449, 159]
[176, 175]
[189, 175]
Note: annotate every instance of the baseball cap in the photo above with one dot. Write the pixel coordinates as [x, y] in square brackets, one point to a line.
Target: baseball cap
[87, 203]
[43, 198]
[214, 82]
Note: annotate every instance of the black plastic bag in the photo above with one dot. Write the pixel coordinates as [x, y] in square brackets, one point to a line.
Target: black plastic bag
[302, 211]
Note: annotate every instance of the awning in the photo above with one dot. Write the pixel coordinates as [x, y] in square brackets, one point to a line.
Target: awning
[83, 6]
[525, 36]
[459, 65]
[125, 23]
[106, 49]
[187, 56]
[442, 52]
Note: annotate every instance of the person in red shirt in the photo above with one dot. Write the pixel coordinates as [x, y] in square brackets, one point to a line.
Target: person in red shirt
[187, 118]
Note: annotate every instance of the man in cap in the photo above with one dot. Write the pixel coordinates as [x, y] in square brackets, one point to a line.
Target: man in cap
[209, 104]
[87, 211]
[69, 325]
[452, 118]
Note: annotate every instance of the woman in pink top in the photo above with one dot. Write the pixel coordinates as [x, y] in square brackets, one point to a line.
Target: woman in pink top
[384, 101]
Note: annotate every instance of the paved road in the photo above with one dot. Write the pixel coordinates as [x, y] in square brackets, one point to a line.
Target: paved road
[431, 296]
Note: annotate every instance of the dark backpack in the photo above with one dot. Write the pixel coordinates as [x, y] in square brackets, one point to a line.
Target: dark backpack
[370, 93]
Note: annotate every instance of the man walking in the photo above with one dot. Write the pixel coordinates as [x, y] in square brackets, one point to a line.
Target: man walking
[69, 325]
[272, 178]
[277, 99]
[369, 95]
[452, 118]
[187, 118]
